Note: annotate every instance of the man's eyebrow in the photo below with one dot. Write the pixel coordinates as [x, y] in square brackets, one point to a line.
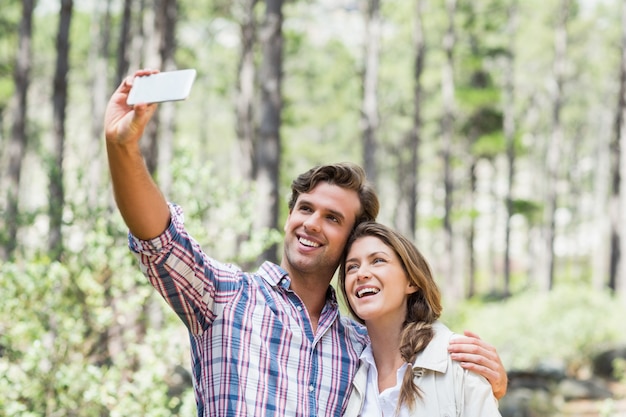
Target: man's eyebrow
[338, 214]
[302, 202]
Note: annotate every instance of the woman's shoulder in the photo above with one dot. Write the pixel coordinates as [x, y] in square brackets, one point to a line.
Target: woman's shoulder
[441, 336]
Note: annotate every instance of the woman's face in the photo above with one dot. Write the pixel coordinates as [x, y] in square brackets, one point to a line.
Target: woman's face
[376, 284]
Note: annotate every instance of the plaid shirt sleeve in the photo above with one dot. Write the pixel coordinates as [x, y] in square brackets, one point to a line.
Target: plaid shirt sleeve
[189, 281]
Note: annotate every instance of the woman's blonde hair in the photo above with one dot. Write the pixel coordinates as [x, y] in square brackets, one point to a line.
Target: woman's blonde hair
[423, 306]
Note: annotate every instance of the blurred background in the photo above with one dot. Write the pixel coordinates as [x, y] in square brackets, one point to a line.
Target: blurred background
[492, 129]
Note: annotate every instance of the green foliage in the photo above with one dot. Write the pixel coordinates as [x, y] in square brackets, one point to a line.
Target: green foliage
[316, 91]
[531, 210]
[620, 369]
[219, 212]
[84, 337]
[489, 145]
[71, 340]
[9, 19]
[570, 324]
[6, 90]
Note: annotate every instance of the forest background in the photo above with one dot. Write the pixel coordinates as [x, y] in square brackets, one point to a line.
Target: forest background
[492, 129]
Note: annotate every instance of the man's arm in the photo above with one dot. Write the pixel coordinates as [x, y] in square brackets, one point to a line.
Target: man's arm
[141, 203]
[481, 357]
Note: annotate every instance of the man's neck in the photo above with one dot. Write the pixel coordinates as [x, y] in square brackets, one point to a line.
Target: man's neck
[313, 295]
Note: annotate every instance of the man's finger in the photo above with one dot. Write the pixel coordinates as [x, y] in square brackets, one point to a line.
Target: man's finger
[469, 333]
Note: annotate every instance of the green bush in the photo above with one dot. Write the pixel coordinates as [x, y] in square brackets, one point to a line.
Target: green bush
[89, 336]
[75, 339]
[569, 324]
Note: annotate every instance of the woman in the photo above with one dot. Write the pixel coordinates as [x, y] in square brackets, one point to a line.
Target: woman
[407, 370]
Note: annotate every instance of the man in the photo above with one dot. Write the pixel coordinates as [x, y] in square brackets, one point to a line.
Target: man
[270, 342]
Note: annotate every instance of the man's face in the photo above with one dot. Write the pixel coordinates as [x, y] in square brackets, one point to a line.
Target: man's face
[317, 229]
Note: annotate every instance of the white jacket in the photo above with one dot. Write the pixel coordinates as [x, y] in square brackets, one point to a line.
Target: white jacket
[447, 389]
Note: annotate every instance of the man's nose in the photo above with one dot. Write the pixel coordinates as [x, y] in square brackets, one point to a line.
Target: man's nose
[312, 223]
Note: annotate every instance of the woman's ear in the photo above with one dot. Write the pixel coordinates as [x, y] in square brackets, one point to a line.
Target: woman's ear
[411, 288]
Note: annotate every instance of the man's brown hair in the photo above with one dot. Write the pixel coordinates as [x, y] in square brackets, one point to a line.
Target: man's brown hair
[345, 175]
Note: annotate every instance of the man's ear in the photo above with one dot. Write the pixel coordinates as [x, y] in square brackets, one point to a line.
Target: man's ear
[287, 221]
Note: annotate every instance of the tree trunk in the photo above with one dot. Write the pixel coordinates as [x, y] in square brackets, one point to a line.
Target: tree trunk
[244, 104]
[97, 198]
[150, 38]
[19, 137]
[166, 17]
[620, 279]
[472, 133]
[141, 23]
[59, 105]
[243, 166]
[408, 167]
[616, 199]
[452, 287]
[98, 60]
[122, 48]
[509, 137]
[268, 152]
[601, 197]
[555, 144]
[369, 111]
[471, 233]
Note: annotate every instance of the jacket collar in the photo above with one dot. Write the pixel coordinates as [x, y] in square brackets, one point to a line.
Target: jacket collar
[435, 356]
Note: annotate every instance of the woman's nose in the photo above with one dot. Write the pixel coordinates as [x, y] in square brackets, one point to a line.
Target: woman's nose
[363, 273]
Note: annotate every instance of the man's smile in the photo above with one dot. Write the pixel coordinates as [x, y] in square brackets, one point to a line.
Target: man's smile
[309, 243]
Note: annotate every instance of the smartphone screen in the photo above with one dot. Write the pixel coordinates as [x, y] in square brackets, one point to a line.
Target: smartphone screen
[162, 86]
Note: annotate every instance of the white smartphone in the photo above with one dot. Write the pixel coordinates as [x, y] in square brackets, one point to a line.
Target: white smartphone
[162, 86]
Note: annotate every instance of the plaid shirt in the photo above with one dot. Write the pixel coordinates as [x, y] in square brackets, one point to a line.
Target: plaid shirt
[253, 349]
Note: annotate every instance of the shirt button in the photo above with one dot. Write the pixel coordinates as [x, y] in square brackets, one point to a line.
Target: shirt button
[311, 388]
[299, 308]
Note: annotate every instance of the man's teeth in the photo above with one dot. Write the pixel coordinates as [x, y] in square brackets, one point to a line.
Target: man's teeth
[367, 291]
[310, 243]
